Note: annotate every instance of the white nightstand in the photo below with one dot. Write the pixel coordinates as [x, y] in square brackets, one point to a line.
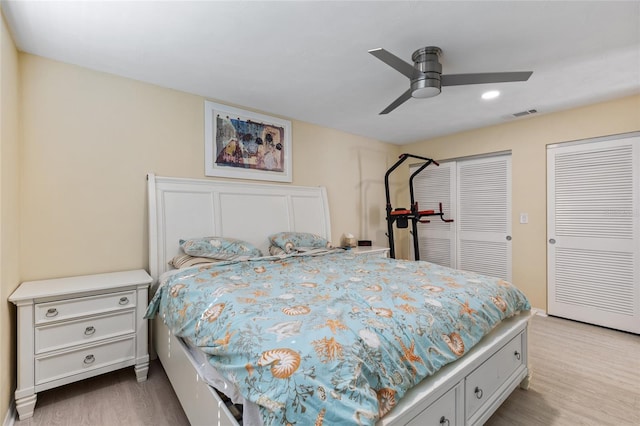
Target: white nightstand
[370, 251]
[73, 328]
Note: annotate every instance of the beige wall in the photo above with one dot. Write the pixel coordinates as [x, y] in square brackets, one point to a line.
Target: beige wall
[527, 140]
[9, 213]
[352, 168]
[90, 138]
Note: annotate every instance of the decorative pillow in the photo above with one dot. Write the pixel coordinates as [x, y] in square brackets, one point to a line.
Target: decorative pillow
[276, 251]
[292, 241]
[219, 248]
[184, 261]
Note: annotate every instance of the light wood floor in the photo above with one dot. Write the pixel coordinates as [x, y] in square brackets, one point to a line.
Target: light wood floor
[582, 375]
[109, 400]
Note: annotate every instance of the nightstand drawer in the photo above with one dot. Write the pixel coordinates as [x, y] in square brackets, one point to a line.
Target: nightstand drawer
[72, 333]
[83, 306]
[65, 364]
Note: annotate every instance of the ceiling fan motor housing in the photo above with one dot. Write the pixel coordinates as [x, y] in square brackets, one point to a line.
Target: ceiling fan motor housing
[426, 81]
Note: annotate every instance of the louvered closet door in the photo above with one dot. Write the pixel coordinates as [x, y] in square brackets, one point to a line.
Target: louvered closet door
[593, 232]
[484, 216]
[436, 239]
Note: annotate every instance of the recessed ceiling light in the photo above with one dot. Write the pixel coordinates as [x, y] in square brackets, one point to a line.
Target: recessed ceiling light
[491, 94]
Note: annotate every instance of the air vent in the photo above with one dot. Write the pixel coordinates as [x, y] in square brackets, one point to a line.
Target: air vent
[523, 113]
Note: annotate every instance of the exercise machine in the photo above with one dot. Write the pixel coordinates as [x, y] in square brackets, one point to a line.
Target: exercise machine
[402, 216]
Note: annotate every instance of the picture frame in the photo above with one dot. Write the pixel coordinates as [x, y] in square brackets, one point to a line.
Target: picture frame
[246, 145]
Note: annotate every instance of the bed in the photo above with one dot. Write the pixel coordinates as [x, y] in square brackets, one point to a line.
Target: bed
[466, 391]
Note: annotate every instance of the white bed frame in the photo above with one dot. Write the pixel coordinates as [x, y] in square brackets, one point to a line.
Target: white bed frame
[465, 392]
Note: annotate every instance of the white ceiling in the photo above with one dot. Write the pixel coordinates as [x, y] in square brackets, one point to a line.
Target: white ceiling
[308, 60]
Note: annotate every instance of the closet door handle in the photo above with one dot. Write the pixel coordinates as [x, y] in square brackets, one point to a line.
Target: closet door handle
[552, 241]
[517, 355]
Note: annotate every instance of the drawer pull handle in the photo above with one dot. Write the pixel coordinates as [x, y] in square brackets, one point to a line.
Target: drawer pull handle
[517, 354]
[478, 392]
[444, 421]
[89, 330]
[89, 359]
[124, 300]
[51, 312]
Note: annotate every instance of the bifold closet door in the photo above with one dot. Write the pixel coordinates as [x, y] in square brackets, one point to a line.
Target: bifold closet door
[484, 216]
[476, 194]
[593, 239]
[436, 239]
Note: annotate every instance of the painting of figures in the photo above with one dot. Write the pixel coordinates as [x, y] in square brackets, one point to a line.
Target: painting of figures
[246, 145]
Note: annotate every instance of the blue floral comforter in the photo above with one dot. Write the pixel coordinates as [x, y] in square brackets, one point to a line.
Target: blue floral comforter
[333, 339]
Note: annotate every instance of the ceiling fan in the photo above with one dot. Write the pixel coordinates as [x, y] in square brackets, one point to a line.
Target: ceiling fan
[426, 74]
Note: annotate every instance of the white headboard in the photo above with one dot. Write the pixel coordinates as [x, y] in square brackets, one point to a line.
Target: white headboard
[188, 208]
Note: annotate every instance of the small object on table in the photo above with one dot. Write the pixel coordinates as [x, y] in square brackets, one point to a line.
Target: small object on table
[348, 240]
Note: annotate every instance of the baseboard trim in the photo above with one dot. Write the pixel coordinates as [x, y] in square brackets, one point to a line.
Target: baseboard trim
[539, 312]
[10, 418]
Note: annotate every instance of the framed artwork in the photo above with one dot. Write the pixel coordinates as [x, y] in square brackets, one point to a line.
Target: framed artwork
[246, 145]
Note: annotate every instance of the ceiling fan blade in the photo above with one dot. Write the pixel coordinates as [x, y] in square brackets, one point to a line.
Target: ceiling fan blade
[483, 78]
[395, 104]
[394, 62]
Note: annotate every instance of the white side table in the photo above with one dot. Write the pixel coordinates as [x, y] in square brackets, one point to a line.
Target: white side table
[73, 328]
[374, 251]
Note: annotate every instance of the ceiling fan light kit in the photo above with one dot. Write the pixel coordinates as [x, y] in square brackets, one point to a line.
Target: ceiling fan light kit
[425, 75]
